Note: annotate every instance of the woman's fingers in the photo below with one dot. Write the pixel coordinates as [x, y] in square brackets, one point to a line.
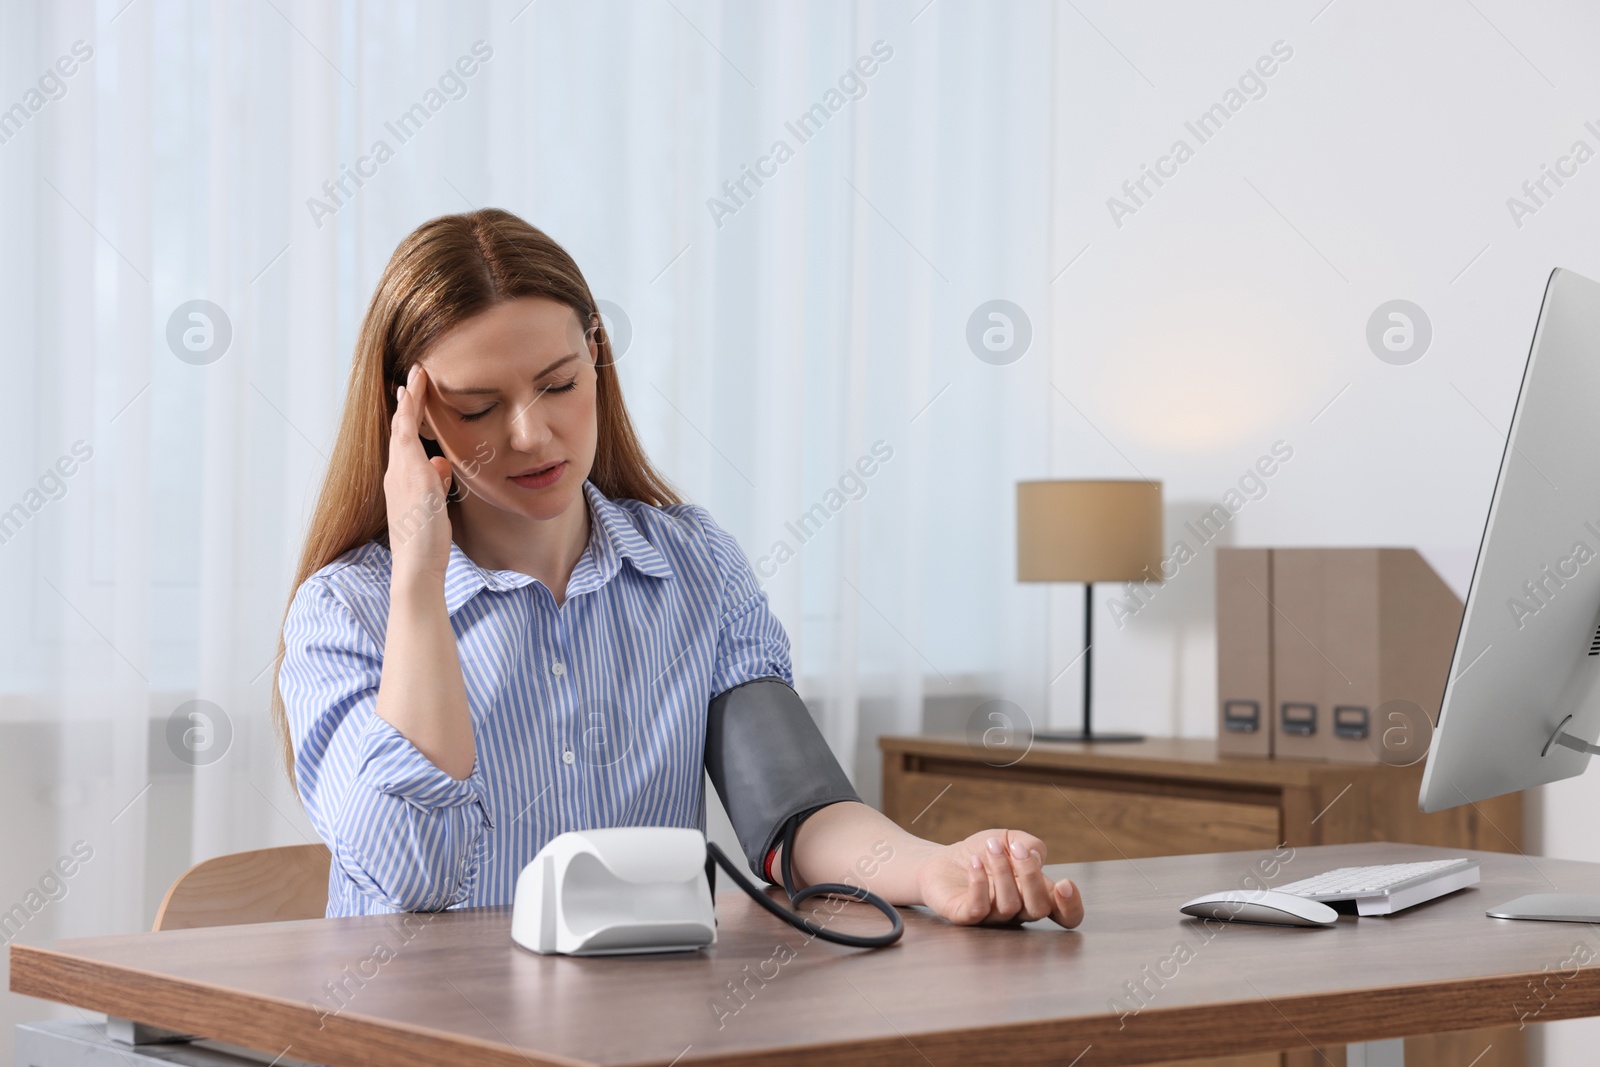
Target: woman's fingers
[974, 907]
[415, 486]
[1033, 886]
[1029, 843]
[404, 424]
[421, 388]
[1068, 904]
[417, 393]
[1002, 882]
[1059, 900]
[412, 401]
[1005, 874]
[441, 466]
[417, 388]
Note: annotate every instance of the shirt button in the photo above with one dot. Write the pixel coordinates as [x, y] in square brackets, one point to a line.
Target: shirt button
[558, 668]
[566, 757]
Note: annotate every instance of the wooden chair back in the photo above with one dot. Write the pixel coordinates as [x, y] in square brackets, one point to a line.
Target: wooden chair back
[267, 885]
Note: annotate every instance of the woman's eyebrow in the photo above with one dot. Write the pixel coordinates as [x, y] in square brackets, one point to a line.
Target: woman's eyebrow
[474, 390]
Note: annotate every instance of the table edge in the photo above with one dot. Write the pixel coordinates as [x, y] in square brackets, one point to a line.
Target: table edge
[1151, 1035]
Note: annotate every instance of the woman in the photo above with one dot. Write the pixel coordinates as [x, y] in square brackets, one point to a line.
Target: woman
[506, 624]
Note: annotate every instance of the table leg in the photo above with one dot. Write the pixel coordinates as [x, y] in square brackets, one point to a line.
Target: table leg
[130, 1032]
[1391, 1053]
[58, 1043]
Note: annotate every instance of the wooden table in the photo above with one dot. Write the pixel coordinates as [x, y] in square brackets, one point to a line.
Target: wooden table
[452, 988]
[1169, 796]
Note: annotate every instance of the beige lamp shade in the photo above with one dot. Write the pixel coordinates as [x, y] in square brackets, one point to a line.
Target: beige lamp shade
[1088, 531]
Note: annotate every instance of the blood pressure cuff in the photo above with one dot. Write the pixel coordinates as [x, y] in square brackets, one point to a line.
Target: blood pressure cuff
[769, 763]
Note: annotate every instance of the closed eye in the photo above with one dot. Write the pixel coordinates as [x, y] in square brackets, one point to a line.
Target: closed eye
[475, 415]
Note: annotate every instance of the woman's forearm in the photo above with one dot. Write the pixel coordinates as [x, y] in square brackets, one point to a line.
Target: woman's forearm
[858, 845]
[422, 692]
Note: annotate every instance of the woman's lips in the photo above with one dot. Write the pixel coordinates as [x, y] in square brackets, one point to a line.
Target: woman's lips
[542, 479]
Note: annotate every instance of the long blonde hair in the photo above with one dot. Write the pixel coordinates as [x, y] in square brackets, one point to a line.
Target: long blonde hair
[446, 271]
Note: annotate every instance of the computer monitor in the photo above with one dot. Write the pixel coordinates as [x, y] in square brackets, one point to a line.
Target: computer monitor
[1521, 705]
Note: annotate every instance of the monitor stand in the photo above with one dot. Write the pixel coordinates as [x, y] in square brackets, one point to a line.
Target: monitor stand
[1555, 907]
[1565, 740]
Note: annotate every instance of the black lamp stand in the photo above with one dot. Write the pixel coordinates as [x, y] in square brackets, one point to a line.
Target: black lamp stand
[1087, 733]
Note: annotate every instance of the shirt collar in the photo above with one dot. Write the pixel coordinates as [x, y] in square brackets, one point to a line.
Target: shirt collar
[613, 537]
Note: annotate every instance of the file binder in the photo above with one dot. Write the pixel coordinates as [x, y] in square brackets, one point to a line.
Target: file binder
[1361, 643]
[1244, 652]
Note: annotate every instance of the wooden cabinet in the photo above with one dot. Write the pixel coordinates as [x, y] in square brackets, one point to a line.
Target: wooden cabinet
[1173, 796]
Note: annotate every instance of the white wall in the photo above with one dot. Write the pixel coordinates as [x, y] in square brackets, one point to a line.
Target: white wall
[1230, 309]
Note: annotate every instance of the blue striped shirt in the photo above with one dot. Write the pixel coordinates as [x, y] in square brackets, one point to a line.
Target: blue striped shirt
[588, 715]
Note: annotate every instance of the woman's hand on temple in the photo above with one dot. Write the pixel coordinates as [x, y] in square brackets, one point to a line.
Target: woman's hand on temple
[997, 876]
[415, 487]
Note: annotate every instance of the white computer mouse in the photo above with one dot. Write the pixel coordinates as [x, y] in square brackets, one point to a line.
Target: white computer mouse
[1261, 906]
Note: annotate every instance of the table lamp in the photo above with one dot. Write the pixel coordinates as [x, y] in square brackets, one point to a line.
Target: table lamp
[1092, 530]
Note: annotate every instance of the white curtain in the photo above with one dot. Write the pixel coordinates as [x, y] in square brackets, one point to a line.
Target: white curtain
[786, 335]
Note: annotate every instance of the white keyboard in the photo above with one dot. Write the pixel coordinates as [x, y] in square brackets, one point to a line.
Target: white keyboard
[1388, 887]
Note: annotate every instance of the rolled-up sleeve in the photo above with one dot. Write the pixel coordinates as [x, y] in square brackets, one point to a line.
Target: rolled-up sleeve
[403, 831]
[751, 642]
